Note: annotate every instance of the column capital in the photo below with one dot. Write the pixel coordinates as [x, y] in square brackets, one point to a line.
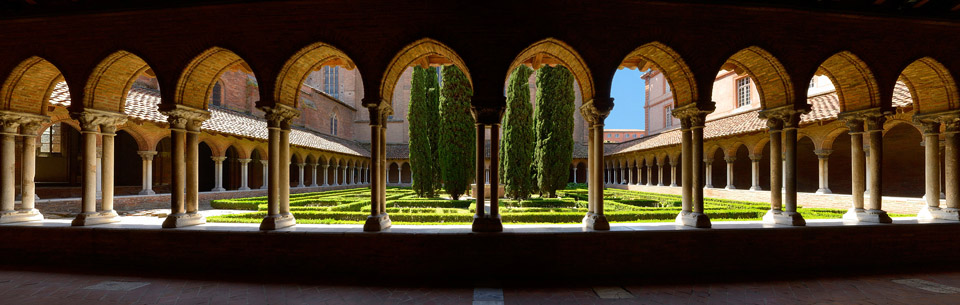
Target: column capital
[691, 116]
[279, 115]
[823, 153]
[302, 165]
[873, 117]
[487, 115]
[756, 157]
[184, 117]
[218, 159]
[708, 161]
[244, 161]
[91, 119]
[265, 162]
[928, 125]
[379, 112]
[730, 159]
[783, 116]
[147, 155]
[593, 115]
[29, 123]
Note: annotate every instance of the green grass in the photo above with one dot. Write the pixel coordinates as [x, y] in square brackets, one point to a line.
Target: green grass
[352, 206]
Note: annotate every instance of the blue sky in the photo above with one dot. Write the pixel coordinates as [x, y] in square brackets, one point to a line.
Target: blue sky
[628, 99]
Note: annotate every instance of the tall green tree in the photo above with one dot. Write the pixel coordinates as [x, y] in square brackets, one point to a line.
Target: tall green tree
[553, 126]
[457, 138]
[433, 117]
[517, 144]
[422, 116]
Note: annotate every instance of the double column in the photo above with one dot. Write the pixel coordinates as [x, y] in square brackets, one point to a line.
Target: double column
[278, 118]
[29, 124]
[314, 175]
[823, 158]
[218, 173]
[244, 174]
[482, 221]
[692, 120]
[866, 211]
[673, 171]
[783, 173]
[184, 134]
[594, 117]
[730, 161]
[378, 219]
[147, 157]
[92, 123]
[930, 124]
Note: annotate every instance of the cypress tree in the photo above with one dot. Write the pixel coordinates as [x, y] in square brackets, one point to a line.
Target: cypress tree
[422, 161]
[457, 138]
[433, 118]
[517, 144]
[553, 126]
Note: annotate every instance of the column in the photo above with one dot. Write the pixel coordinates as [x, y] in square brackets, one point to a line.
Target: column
[383, 160]
[775, 127]
[873, 205]
[192, 195]
[931, 144]
[314, 173]
[708, 175]
[278, 192]
[147, 157]
[730, 161]
[755, 172]
[495, 178]
[266, 172]
[857, 167]
[480, 173]
[791, 120]
[108, 132]
[662, 163]
[335, 170]
[8, 153]
[951, 166]
[325, 166]
[597, 220]
[91, 123]
[823, 157]
[218, 174]
[378, 219]
[178, 172]
[692, 122]
[30, 127]
[301, 166]
[346, 179]
[673, 172]
[629, 172]
[244, 174]
[574, 174]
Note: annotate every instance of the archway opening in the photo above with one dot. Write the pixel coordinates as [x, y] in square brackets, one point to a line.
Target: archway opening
[231, 169]
[903, 162]
[255, 170]
[742, 169]
[128, 177]
[206, 167]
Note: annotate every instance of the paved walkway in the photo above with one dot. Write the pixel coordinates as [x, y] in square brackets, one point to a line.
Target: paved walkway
[45, 287]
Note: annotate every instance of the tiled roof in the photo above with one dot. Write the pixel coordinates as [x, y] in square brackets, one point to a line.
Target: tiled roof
[142, 104]
[823, 107]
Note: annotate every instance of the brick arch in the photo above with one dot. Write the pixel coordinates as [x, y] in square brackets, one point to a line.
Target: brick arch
[831, 136]
[758, 147]
[28, 87]
[566, 55]
[683, 86]
[298, 67]
[241, 153]
[412, 53]
[216, 150]
[111, 80]
[296, 156]
[894, 121]
[931, 86]
[773, 83]
[136, 132]
[855, 84]
[260, 151]
[322, 159]
[195, 85]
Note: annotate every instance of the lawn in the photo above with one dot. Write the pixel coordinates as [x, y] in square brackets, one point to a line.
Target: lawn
[352, 206]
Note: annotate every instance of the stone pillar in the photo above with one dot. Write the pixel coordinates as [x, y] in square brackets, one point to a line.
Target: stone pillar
[930, 124]
[783, 172]
[495, 174]
[692, 121]
[775, 127]
[873, 206]
[314, 173]
[628, 171]
[871, 210]
[244, 174]
[480, 173]
[649, 174]
[755, 172]
[593, 174]
[951, 166]
[346, 178]
[218, 174]
[325, 166]
[30, 125]
[730, 161]
[791, 120]
[594, 117]
[178, 172]
[301, 166]
[378, 219]
[147, 157]
[857, 166]
[336, 168]
[184, 131]
[193, 168]
[708, 173]
[662, 163]
[574, 174]
[673, 172]
[90, 121]
[8, 161]
[278, 193]
[266, 172]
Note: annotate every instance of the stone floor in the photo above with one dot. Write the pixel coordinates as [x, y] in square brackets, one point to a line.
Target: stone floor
[19, 286]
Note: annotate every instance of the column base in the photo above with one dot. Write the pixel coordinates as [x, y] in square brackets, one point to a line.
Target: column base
[730, 187]
[263, 188]
[314, 185]
[779, 217]
[824, 191]
[872, 216]
[95, 218]
[20, 216]
[301, 185]
[377, 223]
[936, 213]
[487, 223]
[755, 188]
[693, 219]
[181, 220]
[673, 185]
[243, 188]
[596, 222]
[218, 189]
[274, 222]
[147, 192]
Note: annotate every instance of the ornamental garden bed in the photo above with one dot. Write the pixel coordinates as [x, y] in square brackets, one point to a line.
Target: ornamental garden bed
[353, 205]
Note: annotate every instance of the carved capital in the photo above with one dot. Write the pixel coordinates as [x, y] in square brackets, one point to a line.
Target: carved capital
[184, 117]
[379, 112]
[91, 119]
[218, 159]
[147, 155]
[279, 115]
[593, 115]
[690, 116]
[244, 161]
[787, 116]
[730, 159]
[823, 153]
[929, 126]
[874, 119]
[756, 157]
[29, 123]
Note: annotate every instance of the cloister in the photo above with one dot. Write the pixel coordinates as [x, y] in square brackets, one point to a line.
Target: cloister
[873, 60]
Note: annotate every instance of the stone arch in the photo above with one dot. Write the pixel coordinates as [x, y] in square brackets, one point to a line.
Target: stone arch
[808, 170]
[136, 133]
[742, 167]
[215, 150]
[656, 55]
[760, 147]
[195, 86]
[831, 137]
[299, 66]
[855, 84]
[773, 83]
[931, 86]
[418, 51]
[111, 80]
[28, 87]
[563, 54]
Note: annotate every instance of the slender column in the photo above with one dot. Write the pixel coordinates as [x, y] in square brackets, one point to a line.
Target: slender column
[278, 193]
[730, 161]
[218, 174]
[650, 174]
[755, 172]
[314, 175]
[599, 220]
[178, 172]
[378, 219]
[574, 174]
[325, 167]
[346, 178]
[285, 170]
[301, 166]
[692, 121]
[775, 126]
[90, 122]
[931, 145]
[629, 172]
[147, 157]
[27, 210]
[857, 166]
[266, 173]
[791, 120]
[593, 174]
[708, 173]
[686, 160]
[8, 161]
[107, 132]
[697, 154]
[875, 130]
[480, 171]
[951, 166]
[244, 174]
[335, 170]
[660, 166]
[383, 160]
[374, 166]
[494, 171]
[823, 156]
[193, 167]
[673, 172]
[89, 178]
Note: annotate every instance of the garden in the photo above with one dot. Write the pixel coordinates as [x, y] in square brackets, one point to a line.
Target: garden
[352, 206]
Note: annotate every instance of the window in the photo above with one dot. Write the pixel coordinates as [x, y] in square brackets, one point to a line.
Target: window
[331, 81]
[217, 97]
[50, 140]
[668, 116]
[743, 92]
[616, 136]
[334, 122]
[813, 82]
[666, 86]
